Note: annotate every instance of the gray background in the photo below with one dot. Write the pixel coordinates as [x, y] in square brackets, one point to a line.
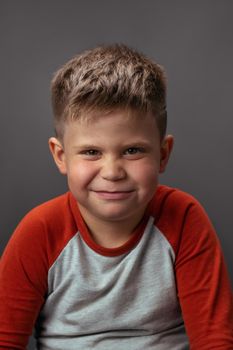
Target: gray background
[192, 39]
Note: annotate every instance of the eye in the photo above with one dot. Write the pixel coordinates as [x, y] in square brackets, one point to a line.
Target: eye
[91, 154]
[133, 150]
[134, 153]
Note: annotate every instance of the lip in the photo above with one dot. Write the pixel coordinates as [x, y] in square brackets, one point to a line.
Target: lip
[113, 195]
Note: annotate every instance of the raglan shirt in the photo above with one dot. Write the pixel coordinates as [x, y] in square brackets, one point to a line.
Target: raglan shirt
[166, 288]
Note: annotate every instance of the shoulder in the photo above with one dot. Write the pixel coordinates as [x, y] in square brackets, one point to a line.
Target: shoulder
[52, 214]
[181, 218]
[48, 209]
[46, 229]
[172, 201]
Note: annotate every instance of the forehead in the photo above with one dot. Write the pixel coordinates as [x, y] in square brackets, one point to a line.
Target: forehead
[116, 123]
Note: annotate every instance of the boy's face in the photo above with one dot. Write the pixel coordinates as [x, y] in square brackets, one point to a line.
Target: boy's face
[112, 164]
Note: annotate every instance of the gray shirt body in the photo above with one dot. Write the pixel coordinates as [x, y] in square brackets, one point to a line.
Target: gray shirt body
[110, 303]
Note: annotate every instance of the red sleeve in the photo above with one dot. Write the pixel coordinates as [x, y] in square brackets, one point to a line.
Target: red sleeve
[24, 266]
[23, 283]
[203, 284]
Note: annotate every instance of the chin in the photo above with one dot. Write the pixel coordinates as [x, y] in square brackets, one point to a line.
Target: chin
[112, 216]
[116, 215]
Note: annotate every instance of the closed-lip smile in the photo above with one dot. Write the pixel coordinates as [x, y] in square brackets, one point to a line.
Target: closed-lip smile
[114, 195]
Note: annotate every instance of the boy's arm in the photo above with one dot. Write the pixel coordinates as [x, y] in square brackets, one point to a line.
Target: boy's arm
[23, 284]
[203, 284]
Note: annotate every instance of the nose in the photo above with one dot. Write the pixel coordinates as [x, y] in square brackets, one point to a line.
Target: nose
[113, 169]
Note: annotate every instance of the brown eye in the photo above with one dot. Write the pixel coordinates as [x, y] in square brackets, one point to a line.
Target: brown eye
[133, 150]
[91, 152]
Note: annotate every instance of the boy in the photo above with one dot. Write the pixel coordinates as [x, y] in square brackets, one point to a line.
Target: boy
[118, 262]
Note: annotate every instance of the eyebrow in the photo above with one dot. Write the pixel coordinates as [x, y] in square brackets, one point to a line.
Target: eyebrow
[139, 143]
[85, 146]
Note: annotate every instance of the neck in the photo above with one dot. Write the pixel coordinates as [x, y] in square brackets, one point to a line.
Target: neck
[110, 234]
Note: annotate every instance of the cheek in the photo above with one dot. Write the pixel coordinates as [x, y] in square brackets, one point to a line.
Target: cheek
[81, 173]
[145, 174]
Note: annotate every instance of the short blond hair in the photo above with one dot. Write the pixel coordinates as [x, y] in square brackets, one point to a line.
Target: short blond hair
[106, 78]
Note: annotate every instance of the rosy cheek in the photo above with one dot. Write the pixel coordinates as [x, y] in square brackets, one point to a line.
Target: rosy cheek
[83, 173]
[146, 172]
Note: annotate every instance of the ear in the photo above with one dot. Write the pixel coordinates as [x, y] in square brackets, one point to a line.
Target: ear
[58, 154]
[165, 151]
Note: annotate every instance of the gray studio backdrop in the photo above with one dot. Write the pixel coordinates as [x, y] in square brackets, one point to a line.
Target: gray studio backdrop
[192, 39]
